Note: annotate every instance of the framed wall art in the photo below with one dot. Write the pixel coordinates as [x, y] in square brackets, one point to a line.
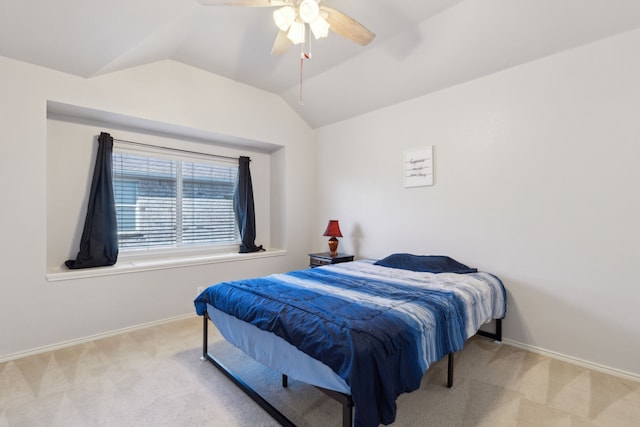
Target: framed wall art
[418, 167]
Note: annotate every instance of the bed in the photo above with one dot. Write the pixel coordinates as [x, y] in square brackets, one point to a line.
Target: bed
[363, 332]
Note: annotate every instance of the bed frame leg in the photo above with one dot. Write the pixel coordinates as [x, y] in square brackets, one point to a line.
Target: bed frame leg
[347, 405]
[497, 335]
[205, 336]
[450, 371]
[347, 414]
[285, 381]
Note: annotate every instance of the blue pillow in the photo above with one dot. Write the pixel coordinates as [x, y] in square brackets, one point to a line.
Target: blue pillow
[425, 263]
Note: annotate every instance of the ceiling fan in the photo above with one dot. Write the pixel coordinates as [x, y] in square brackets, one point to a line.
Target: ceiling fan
[296, 18]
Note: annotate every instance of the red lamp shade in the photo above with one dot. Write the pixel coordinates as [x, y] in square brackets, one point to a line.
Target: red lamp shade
[333, 229]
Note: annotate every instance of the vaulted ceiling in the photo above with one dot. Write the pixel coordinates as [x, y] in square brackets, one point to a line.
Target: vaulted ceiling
[420, 46]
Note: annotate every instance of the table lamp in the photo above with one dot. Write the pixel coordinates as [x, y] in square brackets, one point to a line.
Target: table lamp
[333, 231]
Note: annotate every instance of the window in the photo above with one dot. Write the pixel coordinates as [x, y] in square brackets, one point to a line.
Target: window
[164, 201]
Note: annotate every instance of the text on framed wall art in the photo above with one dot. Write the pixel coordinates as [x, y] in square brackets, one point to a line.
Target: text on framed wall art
[418, 167]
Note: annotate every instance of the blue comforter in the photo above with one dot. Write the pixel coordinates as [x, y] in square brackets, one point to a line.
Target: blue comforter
[378, 332]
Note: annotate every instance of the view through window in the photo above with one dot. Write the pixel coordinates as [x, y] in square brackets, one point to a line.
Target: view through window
[173, 202]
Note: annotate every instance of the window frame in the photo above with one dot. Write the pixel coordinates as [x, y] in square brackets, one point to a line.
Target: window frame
[180, 156]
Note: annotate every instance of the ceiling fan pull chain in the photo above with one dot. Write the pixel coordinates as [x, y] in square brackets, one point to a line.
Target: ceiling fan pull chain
[303, 56]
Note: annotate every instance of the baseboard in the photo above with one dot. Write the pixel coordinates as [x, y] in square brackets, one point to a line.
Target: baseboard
[65, 344]
[574, 360]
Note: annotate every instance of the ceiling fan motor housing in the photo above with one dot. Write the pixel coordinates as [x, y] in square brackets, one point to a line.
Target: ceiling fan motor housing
[309, 10]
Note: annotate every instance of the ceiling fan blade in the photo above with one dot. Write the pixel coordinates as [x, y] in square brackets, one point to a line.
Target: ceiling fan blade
[348, 27]
[281, 44]
[247, 3]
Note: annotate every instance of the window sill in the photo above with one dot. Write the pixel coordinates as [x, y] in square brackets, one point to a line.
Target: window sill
[134, 266]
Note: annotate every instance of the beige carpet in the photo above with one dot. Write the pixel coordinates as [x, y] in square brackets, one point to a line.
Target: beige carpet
[154, 377]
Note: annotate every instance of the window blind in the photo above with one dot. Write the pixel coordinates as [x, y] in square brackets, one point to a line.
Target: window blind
[164, 200]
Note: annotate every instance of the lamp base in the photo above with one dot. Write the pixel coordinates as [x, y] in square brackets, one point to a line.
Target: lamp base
[333, 247]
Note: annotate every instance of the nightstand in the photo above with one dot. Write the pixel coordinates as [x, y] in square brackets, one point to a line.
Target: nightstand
[324, 258]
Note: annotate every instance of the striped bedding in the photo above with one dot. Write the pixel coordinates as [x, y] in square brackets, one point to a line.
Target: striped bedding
[378, 328]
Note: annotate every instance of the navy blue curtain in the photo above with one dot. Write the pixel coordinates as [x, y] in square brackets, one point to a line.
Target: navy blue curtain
[244, 209]
[99, 242]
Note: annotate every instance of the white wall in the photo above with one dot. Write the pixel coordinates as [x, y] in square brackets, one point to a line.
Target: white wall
[36, 313]
[536, 180]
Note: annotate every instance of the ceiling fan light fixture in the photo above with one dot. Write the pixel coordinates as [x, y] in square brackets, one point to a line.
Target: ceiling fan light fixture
[320, 27]
[296, 32]
[284, 17]
[309, 10]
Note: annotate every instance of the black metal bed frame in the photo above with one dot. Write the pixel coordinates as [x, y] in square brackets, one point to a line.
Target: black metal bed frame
[345, 399]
